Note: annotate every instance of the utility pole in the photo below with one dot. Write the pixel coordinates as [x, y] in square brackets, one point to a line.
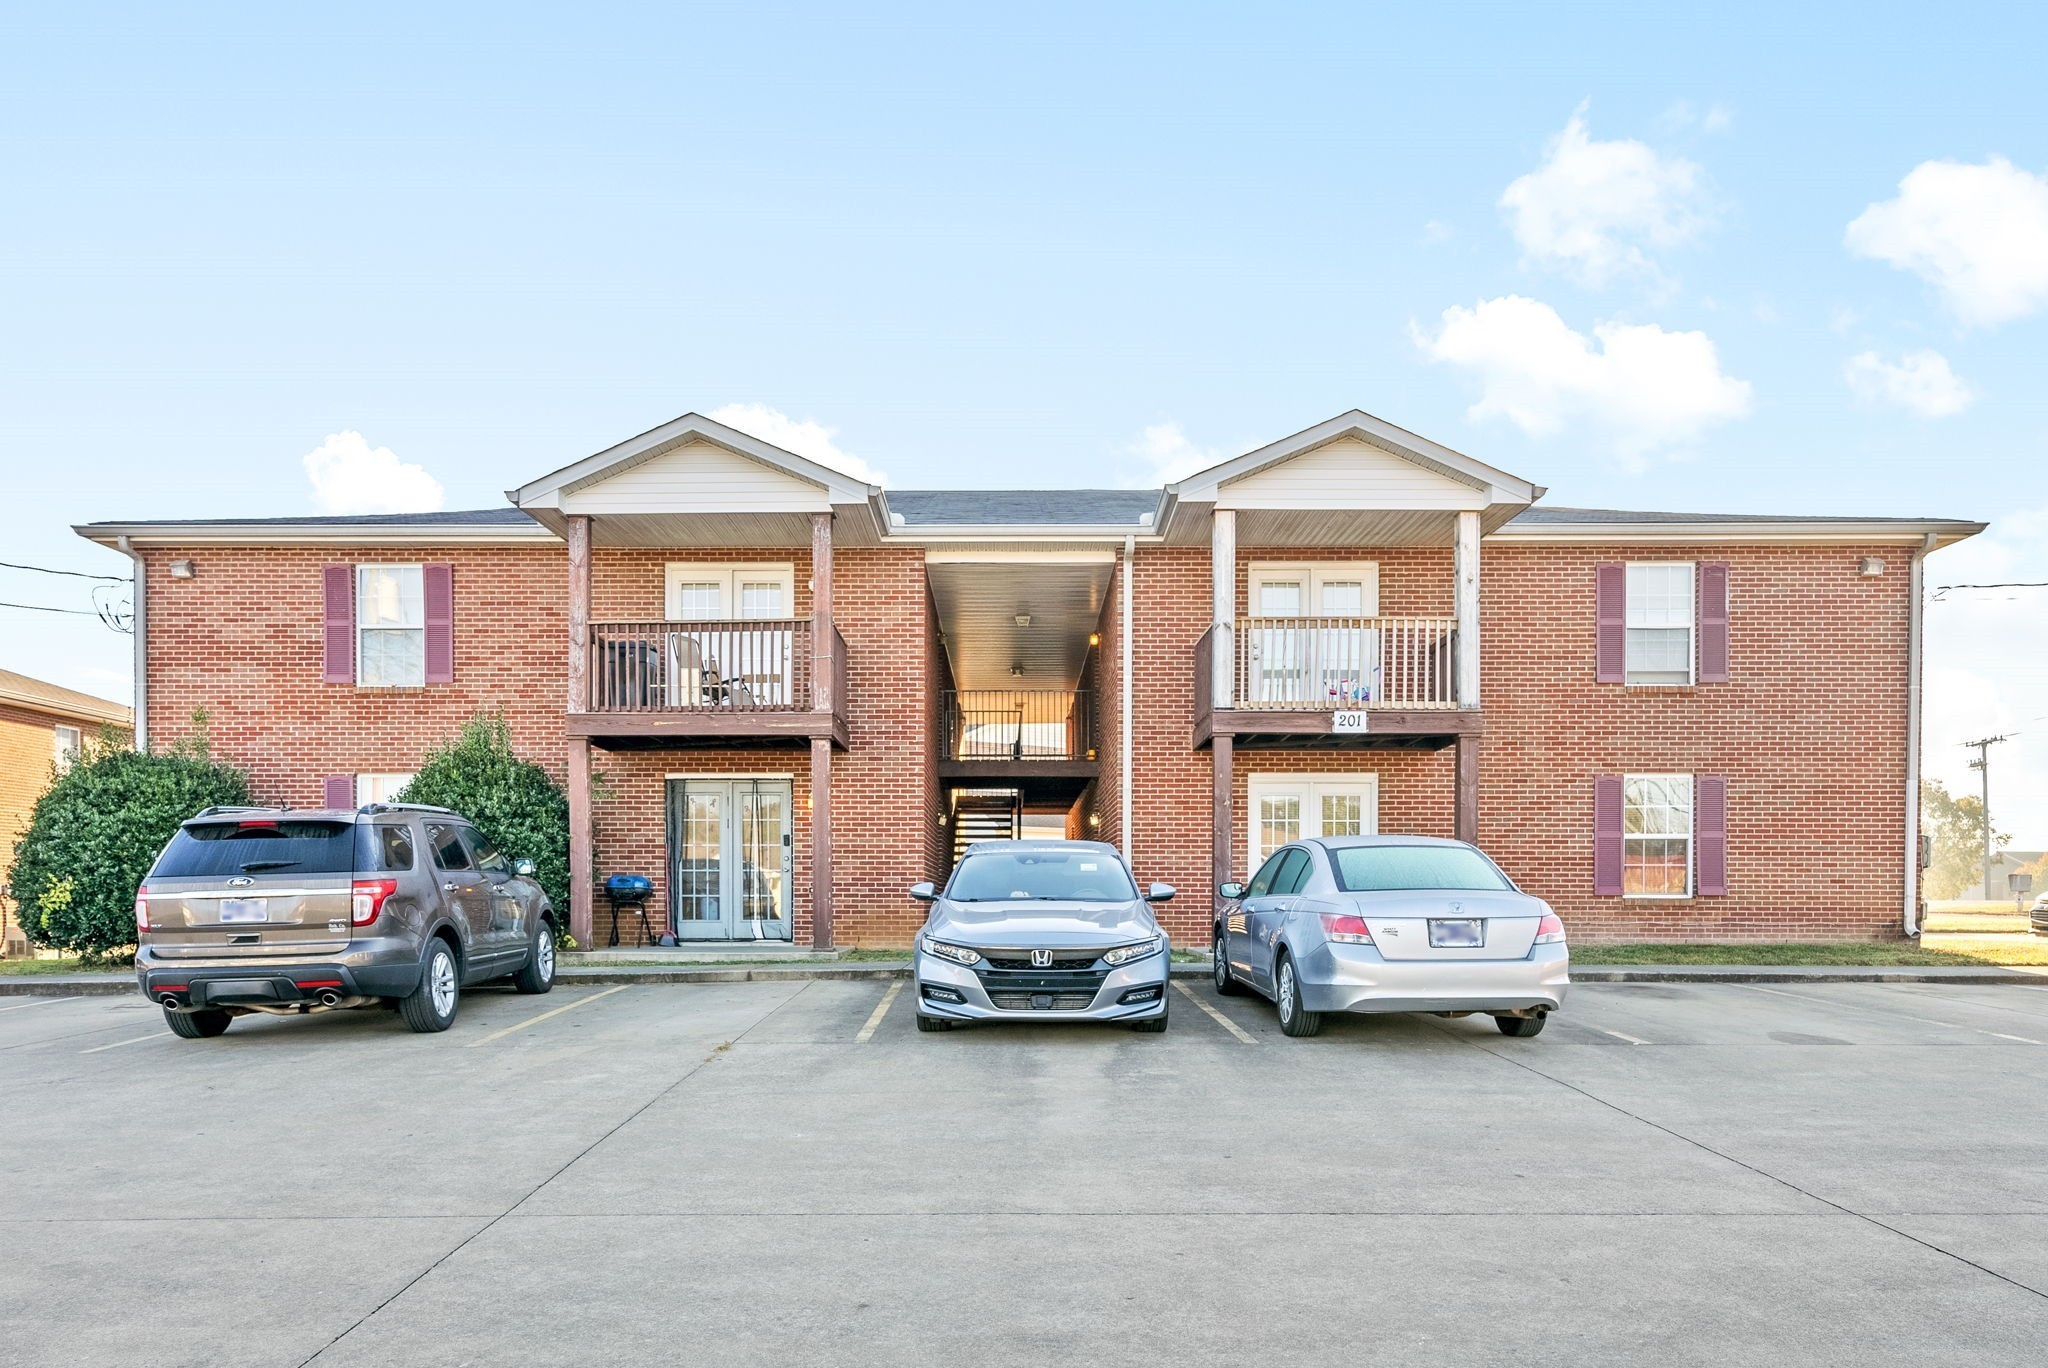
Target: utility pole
[1982, 764]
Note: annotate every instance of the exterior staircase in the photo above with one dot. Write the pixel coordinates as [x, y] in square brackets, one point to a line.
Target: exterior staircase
[985, 815]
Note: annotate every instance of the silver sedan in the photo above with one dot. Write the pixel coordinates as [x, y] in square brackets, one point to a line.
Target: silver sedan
[1390, 924]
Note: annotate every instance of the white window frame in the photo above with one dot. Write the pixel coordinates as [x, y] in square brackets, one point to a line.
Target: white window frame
[1310, 788]
[1691, 625]
[419, 572]
[67, 752]
[1688, 836]
[1313, 576]
[729, 577]
[379, 788]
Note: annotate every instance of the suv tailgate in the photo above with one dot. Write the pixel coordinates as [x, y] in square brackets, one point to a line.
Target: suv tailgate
[252, 888]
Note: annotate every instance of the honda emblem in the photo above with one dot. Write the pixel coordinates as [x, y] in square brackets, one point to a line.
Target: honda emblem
[1041, 959]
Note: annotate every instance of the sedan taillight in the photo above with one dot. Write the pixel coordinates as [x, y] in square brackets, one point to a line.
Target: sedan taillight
[369, 898]
[1550, 931]
[142, 909]
[1347, 930]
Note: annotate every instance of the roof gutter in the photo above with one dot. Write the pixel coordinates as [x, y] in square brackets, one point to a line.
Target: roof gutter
[1123, 793]
[139, 623]
[1915, 618]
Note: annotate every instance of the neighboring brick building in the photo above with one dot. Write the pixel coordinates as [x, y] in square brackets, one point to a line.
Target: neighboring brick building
[799, 693]
[41, 725]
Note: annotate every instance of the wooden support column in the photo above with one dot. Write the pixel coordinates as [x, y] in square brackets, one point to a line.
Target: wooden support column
[822, 643]
[582, 845]
[1223, 605]
[1466, 822]
[1466, 563]
[1223, 838]
[821, 843]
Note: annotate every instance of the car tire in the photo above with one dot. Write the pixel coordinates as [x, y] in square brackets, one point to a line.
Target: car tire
[432, 1006]
[1522, 1026]
[1226, 984]
[537, 975]
[201, 1025]
[932, 1023]
[1151, 1025]
[1295, 1020]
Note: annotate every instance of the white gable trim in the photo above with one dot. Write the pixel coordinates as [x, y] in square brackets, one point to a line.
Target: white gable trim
[547, 491]
[1497, 485]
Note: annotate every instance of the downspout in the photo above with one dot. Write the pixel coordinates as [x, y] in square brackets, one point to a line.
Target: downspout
[140, 623]
[1124, 711]
[1915, 614]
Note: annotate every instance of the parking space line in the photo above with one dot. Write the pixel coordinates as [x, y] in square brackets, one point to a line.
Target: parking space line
[537, 1020]
[1921, 1021]
[1221, 1020]
[155, 1035]
[1620, 1036]
[867, 1032]
[39, 1002]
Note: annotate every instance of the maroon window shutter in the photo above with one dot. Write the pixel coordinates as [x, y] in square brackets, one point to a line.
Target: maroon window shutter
[338, 791]
[438, 581]
[1607, 836]
[338, 584]
[1713, 612]
[1710, 835]
[1610, 614]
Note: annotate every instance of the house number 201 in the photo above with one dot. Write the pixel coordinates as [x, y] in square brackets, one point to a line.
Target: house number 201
[1348, 722]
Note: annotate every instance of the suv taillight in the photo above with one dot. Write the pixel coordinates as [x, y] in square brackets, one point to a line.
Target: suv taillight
[142, 909]
[1550, 931]
[1348, 930]
[369, 899]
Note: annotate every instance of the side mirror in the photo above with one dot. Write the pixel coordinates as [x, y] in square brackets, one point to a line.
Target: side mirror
[1159, 892]
[924, 892]
[523, 868]
[1230, 892]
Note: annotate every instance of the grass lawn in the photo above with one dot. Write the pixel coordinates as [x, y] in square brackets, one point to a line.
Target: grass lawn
[1933, 950]
[1975, 921]
[13, 967]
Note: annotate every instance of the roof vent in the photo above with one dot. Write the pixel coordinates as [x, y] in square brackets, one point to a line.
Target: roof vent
[895, 520]
[1144, 520]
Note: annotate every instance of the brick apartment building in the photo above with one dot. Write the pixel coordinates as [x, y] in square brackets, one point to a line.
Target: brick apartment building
[799, 693]
[42, 726]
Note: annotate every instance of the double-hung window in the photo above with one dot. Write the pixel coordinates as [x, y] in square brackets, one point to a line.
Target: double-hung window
[69, 742]
[391, 627]
[1660, 623]
[1656, 835]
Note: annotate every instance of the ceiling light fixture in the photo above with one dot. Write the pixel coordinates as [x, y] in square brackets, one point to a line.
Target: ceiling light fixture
[1023, 619]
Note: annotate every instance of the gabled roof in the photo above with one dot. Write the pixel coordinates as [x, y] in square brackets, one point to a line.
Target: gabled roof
[922, 508]
[25, 692]
[1500, 486]
[548, 489]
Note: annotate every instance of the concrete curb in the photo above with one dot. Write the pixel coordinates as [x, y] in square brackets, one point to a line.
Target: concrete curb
[105, 985]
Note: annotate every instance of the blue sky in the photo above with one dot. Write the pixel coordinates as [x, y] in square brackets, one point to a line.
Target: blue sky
[1608, 248]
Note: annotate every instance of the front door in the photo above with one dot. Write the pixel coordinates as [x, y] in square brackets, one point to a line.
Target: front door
[729, 858]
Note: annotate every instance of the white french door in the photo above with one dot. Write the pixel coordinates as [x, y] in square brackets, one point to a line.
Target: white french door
[1287, 808]
[710, 665]
[729, 858]
[1332, 660]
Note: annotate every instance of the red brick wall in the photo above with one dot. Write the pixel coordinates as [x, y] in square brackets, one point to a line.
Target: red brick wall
[1172, 789]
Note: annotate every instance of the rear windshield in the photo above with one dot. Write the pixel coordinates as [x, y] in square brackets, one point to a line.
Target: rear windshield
[1041, 875]
[207, 850]
[1399, 868]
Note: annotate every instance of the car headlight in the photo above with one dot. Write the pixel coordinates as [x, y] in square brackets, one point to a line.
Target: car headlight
[959, 954]
[1124, 954]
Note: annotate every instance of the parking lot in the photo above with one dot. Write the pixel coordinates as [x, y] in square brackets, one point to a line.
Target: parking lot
[767, 1173]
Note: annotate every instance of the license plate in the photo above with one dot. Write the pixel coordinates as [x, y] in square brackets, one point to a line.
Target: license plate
[1456, 935]
[244, 909]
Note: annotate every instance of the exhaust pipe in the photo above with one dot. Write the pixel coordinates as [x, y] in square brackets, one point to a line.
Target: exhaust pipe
[171, 1000]
[328, 997]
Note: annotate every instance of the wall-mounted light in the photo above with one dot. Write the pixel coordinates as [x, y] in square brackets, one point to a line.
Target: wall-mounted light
[1094, 819]
[1870, 566]
[1091, 752]
[183, 569]
[1095, 638]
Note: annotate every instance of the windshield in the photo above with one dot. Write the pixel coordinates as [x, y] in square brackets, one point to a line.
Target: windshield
[1043, 876]
[207, 850]
[1403, 868]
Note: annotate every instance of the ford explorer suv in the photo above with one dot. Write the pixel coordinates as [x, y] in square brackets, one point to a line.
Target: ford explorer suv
[294, 911]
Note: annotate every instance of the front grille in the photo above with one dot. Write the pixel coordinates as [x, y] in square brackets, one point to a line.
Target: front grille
[1062, 962]
[1042, 1002]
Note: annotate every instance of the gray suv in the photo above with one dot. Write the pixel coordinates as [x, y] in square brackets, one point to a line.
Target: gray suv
[293, 911]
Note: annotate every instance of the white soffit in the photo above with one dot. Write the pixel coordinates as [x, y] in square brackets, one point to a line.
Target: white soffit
[978, 601]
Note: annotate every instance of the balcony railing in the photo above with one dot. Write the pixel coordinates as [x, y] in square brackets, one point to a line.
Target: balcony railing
[1300, 664]
[1025, 724]
[754, 665]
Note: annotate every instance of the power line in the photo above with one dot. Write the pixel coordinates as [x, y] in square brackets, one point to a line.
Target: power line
[1941, 589]
[74, 574]
[46, 608]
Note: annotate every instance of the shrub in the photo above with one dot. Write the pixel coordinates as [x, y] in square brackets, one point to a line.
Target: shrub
[96, 831]
[513, 802]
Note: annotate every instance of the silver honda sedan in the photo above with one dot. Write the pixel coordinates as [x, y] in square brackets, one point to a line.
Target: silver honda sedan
[1041, 930]
[1390, 924]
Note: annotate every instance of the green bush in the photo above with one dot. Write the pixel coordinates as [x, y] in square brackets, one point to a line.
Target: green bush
[97, 830]
[513, 802]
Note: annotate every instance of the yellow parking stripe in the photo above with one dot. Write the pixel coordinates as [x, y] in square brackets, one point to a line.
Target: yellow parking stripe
[867, 1032]
[158, 1035]
[537, 1020]
[1221, 1020]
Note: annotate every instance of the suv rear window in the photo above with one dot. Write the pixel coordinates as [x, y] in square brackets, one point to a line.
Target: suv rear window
[205, 850]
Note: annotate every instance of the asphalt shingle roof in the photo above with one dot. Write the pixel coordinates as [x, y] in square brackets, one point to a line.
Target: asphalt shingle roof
[1030, 507]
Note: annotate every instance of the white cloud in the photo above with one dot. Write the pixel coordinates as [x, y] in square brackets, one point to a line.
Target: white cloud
[1645, 388]
[1592, 207]
[351, 476]
[1434, 232]
[1977, 233]
[809, 439]
[1168, 456]
[1718, 119]
[1919, 382]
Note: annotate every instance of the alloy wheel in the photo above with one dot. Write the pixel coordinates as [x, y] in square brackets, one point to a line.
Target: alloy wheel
[444, 983]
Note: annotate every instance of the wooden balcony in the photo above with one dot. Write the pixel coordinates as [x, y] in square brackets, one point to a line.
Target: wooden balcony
[1018, 734]
[712, 682]
[1379, 681]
